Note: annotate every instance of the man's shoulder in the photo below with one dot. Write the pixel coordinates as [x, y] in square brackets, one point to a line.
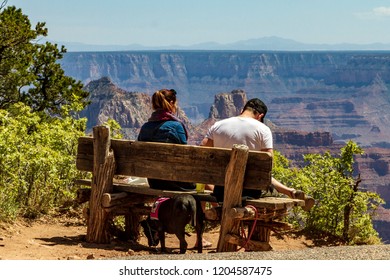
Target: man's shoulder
[231, 119]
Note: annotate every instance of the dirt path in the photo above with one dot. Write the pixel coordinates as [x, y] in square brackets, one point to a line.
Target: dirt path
[63, 238]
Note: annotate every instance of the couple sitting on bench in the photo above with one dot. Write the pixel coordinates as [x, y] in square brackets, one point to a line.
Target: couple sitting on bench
[248, 129]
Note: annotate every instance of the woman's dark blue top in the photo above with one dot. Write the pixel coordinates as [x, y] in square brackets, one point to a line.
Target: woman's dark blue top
[163, 131]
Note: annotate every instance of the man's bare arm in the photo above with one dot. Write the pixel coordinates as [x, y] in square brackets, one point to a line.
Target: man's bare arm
[207, 142]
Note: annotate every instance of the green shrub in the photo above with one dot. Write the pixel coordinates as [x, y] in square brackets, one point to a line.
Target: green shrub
[342, 209]
[37, 163]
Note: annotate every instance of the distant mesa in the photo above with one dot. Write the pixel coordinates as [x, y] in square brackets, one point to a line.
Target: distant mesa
[270, 43]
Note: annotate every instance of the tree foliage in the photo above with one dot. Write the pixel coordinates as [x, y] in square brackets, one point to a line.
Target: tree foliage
[115, 128]
[342, 209]
[29, 71]
[38, 134]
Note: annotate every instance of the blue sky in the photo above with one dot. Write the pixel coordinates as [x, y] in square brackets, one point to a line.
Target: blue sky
[187, 22]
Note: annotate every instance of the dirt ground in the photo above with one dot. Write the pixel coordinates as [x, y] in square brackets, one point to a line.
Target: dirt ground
[63, 238]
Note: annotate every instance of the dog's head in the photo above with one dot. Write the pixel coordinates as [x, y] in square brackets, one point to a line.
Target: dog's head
[151, 231]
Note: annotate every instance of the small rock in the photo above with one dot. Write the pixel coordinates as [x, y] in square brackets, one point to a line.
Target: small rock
[91, 257]
[73, 258]
[131, 252]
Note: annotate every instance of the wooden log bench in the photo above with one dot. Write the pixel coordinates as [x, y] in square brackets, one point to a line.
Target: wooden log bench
[236, 169]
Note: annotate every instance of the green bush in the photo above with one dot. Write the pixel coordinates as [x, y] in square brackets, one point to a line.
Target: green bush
[342, 209]
[37, 163]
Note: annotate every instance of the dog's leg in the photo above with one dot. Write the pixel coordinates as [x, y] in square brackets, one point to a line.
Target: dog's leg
[183, 242]
[199, 240]
[199, 225]
[161, 236]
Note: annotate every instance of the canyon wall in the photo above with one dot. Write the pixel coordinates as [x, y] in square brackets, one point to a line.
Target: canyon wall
[344, 93]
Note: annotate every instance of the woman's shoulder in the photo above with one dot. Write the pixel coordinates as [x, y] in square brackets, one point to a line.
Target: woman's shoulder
[172, 124]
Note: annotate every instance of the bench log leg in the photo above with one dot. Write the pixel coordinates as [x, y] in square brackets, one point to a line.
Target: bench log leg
[103, 173]
[262, 233]
[234, 181]
[132, 220]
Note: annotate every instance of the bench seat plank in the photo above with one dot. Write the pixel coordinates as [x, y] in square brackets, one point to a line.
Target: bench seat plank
[270, 203]
[275, 203]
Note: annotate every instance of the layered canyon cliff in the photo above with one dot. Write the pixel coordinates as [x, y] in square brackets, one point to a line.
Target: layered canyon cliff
[345, 93]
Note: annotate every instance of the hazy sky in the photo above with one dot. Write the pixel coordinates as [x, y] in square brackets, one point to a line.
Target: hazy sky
[187, 22]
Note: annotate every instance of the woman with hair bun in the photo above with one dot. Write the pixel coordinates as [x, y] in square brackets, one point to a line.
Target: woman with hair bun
[164, 126]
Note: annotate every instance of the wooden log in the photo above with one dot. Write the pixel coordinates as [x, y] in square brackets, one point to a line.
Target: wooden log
[83, 182]
[275, 203]
[132, 220]
[124, 210]
[125, 199]
[242, 213]
[249, 245]
[261, 233]
[103, 173]
[234, 180]
[213, 214]
[123, 233]
[112, 199]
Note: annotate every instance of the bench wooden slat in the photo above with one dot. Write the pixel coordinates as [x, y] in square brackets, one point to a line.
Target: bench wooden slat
[174, 162]
[275, 203]
[143, 189]
[269, 203]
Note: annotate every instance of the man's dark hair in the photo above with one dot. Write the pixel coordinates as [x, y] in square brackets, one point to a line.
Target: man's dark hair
[256, 105]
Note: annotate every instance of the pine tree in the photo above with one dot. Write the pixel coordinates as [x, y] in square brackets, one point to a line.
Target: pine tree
[30, 72]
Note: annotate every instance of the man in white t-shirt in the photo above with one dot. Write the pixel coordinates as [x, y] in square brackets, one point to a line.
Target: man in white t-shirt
[249, 129]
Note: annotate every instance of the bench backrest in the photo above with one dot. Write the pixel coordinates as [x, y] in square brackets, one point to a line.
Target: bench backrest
[175, 162]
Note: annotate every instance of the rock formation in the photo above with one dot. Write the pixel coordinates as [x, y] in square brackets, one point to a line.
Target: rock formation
[228, 105]
[130, 109]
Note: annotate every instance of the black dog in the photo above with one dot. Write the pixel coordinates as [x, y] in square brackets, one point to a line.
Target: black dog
[173, 215]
